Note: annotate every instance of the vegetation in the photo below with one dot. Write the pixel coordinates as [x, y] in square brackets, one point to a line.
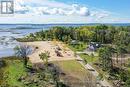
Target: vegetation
[75, 75]
[11, 72]
[100, 33]
[57, 74]
[14, 74]
[80, 46]
[45, 56]
[88, 58]
[105, 58]
[23, 51]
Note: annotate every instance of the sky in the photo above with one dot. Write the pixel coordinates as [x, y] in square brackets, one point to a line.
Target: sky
[68, 11]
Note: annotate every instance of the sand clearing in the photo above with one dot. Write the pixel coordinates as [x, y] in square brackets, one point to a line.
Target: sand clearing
[50, 46]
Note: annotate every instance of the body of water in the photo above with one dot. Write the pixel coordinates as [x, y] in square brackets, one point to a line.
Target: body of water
[8, 33]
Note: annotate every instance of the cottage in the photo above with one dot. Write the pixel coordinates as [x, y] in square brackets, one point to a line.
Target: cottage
[93, 46]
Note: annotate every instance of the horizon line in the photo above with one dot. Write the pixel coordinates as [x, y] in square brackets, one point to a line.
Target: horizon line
[54, 23]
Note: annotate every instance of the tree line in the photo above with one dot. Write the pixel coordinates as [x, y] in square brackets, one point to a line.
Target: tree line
[100, 33]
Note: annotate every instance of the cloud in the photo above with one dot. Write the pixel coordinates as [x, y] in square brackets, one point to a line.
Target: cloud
[84, 11]
[46, 7]
[100, 14]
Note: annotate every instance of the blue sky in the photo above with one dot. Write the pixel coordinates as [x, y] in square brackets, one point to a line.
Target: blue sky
[69, 11]
[120, 7]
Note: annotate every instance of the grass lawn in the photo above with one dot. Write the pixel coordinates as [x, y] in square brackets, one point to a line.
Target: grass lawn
[72, 67]
[88, 58]
[12, 72]
[80, 47]
[75, 74]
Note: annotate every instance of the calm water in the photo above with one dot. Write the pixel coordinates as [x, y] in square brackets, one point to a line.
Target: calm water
[8, 42]
[9, 32]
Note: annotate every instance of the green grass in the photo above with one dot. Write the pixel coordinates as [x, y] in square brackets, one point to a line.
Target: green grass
[13, 71]
[72, 67]
[81, 47]
[89, 59]
[75, 73]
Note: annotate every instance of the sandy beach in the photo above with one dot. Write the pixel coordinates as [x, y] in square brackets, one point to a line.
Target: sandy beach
[50, 46]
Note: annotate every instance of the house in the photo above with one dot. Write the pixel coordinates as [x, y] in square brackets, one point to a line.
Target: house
[93, 46]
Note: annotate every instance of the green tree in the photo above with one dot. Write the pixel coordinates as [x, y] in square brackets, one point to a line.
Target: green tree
[122, 37]
[45, 56]
[121, 50]
[105, 58]
[23, 51]
[127, 83]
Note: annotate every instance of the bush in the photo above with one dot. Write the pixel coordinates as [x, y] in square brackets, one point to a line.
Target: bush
[2, 63]
[127, 84]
